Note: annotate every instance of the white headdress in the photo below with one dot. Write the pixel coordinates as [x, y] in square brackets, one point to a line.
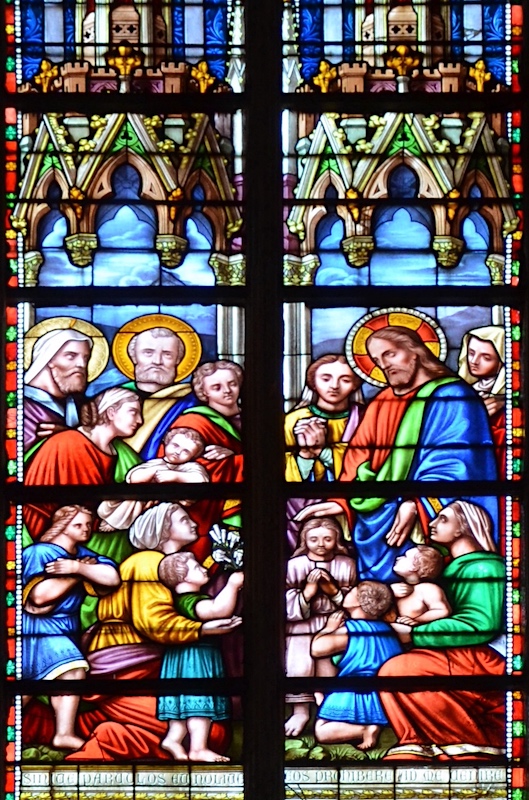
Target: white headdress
[111, 397]
[495, 335]
[147, 531]
[480, 524]
[49, 345]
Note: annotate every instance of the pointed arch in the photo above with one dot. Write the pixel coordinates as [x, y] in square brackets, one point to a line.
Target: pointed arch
[215, 214]
[152, 189]
[314, 214]
[377, 188]
[37, 211]
[491, 213]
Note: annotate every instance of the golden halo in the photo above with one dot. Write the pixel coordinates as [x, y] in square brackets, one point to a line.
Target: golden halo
[356, 352]
[100, 350]
[189, 337]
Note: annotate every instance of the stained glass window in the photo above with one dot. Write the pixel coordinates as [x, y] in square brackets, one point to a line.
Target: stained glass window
[263, 465]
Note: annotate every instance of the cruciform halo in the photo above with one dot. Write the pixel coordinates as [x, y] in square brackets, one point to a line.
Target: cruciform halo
[356, 352]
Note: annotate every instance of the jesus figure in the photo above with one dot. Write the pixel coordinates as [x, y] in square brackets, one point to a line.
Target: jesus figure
[427, 425]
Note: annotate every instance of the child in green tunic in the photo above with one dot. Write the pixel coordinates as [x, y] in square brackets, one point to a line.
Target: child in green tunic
[193, 714]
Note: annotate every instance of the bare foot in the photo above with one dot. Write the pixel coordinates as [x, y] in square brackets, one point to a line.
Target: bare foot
[176, 750]
[206, 755]
[65, 742]
[370, 737]
[295, 724]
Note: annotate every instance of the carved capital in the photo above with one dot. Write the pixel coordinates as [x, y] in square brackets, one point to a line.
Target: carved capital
[80, 246]
[496, 264]
[300, 270]
[33, 261]
[171, 249]
[19, 224]
[229, 270]
[358, 250]
[448, 250]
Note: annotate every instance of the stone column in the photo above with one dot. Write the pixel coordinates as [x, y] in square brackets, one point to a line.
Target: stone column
[498, 315]
[424, 31]
[297, 351]
[448, 250]
[358, 249]
[101, 31]
[230, 333]
[380, 32]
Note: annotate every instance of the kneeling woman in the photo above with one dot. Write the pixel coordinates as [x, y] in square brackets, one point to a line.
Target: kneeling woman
[57, 573]
[450, 723]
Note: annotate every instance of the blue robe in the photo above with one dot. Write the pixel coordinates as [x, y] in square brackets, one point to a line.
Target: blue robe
[371, 643]
[50, 641]
[455, 444]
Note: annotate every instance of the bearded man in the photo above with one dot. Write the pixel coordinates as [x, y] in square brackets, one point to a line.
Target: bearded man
[427, 425]
[55, 383]
[156, 354]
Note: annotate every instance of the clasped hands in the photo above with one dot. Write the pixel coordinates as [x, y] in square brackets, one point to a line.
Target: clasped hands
[320, 579]
[311, 436]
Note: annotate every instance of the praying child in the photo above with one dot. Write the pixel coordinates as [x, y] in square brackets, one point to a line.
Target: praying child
[319, 574]
[178, 465]
[418, 600]
[193, 714]
[366, 642]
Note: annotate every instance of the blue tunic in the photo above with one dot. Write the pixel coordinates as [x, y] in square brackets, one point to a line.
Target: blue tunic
[371, 643]
[455, 444]
[50, 641]
[198, 660]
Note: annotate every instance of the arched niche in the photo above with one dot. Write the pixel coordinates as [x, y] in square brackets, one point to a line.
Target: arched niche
[215, 214]
[377, 189]
[329, 184]
[152, 189]
[38, 210]
[196, 268]
[403, 186]
[491, 212]
[126, 231]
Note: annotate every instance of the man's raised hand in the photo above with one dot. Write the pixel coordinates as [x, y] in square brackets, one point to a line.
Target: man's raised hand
[403, 525]
[329, 508]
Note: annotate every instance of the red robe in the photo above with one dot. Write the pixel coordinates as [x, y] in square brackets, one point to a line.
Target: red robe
[67, 458]
[374, 438]
[206, 512]
[119, 728]
[226, 469]
[450, 719]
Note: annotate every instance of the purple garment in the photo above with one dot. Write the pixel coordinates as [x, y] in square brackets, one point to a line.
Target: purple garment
[295, 504]
[355, 417]
[111, 660]
[34, 414]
